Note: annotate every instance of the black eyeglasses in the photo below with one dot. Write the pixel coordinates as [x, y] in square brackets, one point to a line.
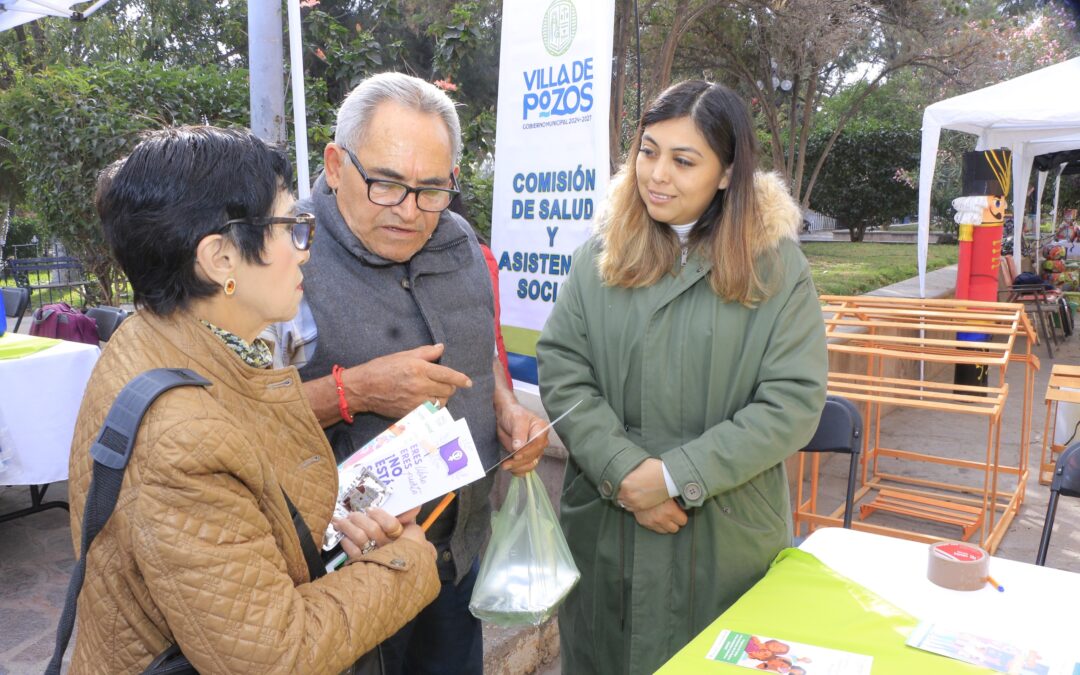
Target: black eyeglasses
[301, 226]
[392, 193]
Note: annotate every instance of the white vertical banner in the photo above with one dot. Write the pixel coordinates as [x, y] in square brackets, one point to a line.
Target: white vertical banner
[551, 156]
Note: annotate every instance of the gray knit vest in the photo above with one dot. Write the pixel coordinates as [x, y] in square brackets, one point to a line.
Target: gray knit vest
[366, 306]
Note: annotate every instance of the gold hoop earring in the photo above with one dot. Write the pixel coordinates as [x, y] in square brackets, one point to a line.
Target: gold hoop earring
[230, 286]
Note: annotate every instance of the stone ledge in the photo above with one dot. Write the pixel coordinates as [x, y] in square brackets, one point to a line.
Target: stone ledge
[520, 651]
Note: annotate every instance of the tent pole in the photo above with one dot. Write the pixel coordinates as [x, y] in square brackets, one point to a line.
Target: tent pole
[296, 71]
[83, 16]
[1038, 217]
[1021, 177]
[1057, 192]
[931, 133]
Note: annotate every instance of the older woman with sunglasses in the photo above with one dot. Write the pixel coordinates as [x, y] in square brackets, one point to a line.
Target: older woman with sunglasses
[201, 551]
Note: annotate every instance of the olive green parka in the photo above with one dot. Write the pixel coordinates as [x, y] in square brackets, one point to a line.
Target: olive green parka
[719, 391]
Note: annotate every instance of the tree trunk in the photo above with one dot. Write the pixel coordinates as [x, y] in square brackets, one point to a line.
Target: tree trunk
[856, 105]
[624, 29]
[667, 50]
[809, 102]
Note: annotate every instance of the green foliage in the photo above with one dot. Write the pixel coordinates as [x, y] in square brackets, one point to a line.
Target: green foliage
[461, 35]
[174, 32]
[477, 179]
[342, 54]
[899, 102]
[454, 44]
[66, 124]
[20, 231]
[865, 180]
[321, 117]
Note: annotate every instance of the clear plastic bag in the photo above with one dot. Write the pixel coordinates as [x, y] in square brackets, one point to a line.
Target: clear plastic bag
[527, 569]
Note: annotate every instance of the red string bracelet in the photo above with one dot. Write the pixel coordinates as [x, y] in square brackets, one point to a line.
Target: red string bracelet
[343, 405]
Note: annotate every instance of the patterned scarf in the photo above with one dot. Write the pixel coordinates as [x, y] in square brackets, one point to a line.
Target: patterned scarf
[255, 354]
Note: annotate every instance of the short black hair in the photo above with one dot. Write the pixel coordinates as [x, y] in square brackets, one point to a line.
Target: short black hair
[176, 187]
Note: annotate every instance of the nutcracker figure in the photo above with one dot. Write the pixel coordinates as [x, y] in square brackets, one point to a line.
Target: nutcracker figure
[980, 213]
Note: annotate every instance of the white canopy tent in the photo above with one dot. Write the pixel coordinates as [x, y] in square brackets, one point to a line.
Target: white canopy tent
[1063, 146]
[17, 12]
[1039, 106]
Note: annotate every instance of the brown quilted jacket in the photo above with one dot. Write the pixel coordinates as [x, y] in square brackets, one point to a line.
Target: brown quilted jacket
[201, 549]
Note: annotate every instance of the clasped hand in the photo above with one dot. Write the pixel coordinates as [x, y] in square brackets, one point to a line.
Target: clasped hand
[644, 487]
[644, 493]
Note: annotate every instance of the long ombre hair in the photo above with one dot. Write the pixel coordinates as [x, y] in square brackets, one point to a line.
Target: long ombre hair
[638, 251]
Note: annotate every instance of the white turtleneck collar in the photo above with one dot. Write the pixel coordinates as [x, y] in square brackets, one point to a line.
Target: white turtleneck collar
[683, 231]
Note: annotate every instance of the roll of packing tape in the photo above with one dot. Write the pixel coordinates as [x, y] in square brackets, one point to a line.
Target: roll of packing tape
[959, 566]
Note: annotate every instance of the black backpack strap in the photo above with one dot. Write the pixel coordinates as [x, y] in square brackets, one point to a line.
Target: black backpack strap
[111, 452]
[315, 565]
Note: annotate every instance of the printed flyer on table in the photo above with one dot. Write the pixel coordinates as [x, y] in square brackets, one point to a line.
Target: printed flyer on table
[774, 655]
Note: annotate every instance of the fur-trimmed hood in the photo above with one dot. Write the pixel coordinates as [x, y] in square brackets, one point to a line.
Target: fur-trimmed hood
[780, 214]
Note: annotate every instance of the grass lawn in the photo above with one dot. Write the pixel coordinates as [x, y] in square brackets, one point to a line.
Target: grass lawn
[850, 268]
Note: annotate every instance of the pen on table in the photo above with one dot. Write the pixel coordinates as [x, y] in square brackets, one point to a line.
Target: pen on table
[999, 587]
[439, 508]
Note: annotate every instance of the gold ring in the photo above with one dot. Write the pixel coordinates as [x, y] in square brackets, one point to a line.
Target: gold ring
[396, 533]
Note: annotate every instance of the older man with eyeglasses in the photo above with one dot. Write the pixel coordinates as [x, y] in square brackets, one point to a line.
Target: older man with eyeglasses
[398, 310]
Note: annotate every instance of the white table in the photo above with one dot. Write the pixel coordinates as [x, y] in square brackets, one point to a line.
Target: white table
[40, 395]
[1037, 608]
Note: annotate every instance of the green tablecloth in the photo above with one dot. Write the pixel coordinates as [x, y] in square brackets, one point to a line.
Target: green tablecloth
[802, 600]
[15, 346]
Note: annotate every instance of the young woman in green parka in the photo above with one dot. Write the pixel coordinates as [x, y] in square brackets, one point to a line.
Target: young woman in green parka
[690, 329]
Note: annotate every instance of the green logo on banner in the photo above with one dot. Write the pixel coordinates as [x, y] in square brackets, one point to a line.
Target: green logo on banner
[560, 27]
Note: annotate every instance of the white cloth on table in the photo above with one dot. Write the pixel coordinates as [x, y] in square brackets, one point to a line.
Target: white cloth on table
[40, 395]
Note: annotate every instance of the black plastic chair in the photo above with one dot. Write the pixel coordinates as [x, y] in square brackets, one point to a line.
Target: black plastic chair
[107, 318]
[840, 430]
[16, 300]
[1066, 482]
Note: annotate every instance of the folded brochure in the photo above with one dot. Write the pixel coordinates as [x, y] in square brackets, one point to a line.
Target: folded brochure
[421, 457]
[761, 652]
[988, 652]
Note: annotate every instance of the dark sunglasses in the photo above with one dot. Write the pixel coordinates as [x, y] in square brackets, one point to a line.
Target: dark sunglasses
[301, 226]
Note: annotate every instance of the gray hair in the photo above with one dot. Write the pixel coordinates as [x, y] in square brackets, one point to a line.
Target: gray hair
[405, 90]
